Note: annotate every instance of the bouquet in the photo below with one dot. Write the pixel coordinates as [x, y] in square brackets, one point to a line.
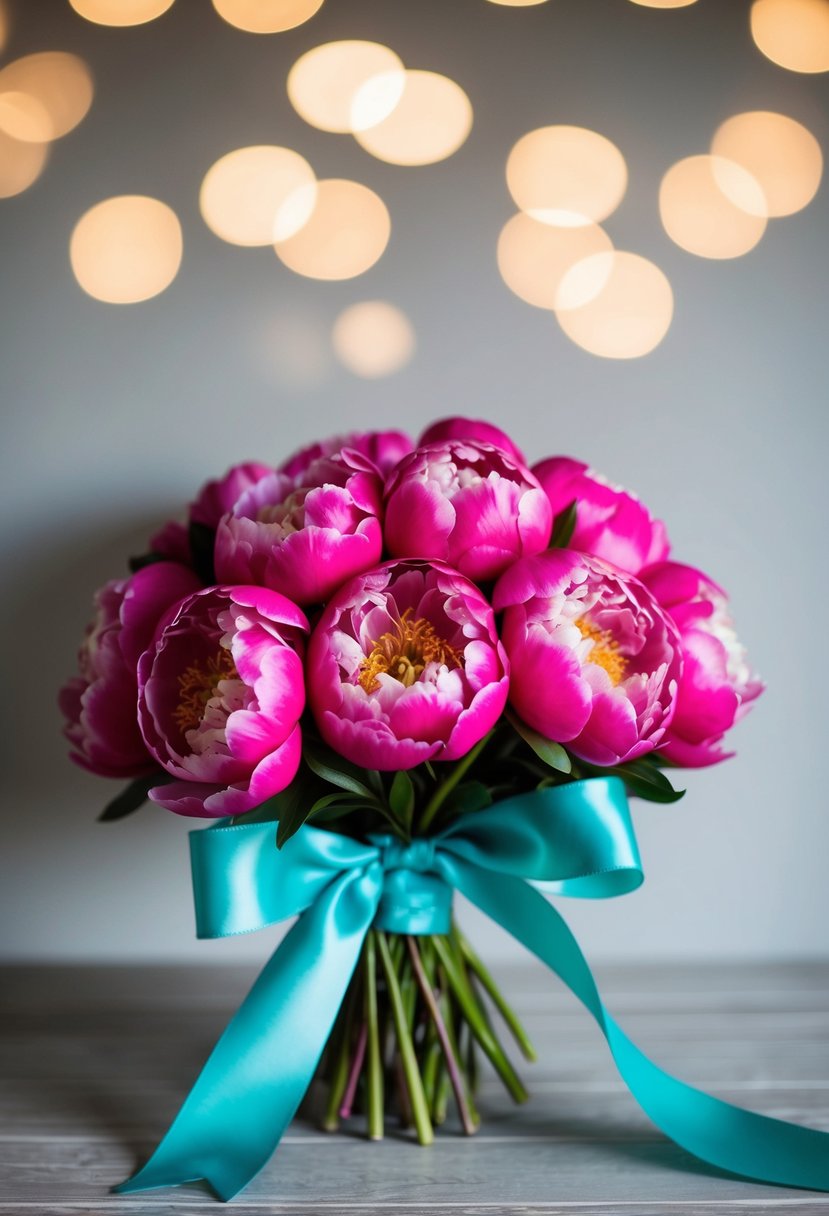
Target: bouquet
[388, 670]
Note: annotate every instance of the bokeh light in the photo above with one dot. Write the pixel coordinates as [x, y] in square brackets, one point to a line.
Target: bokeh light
[518, 3]
[266, 16]
[126, 249]
[346, 233]
[793, 33]
[566, 175]
[698, 214]
[4, 25]
[778, 152]
[21, 164]
[373, 338]
[664, 3]
[615, 305]
[120, 12]
[59, 86]
[252, 195]
[324, 82]
[24, 117]
[430, 121]
[534, 257]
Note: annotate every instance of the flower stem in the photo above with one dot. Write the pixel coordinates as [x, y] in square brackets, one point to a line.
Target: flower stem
[446, 1003]
[477, 1019]
[495, 995]
[445, 788]
[440, 1027]
[432, 1057]
[414, 1084]
[375, 1063]
[339, 1074]
[354, 1075]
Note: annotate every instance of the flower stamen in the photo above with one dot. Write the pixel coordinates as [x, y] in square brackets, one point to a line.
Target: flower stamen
[404, 652]
[604, 651]
[198, 684]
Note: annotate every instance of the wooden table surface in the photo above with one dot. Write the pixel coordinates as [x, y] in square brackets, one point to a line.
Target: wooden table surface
[94, 1062]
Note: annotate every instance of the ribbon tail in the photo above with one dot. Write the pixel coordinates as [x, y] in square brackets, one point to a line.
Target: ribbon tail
[717, 1132]
[249, 1090]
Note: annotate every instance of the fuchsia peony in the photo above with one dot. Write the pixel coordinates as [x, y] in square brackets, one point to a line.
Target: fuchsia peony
[217, 497]
[467, 504]
[595, 662]
[212, 501]
[100, 703]
[405, 666]
[606, 646]
[472, 430]
[221, 692]
[384, 449]
[304, 536]
[717, 684]
[611, 523]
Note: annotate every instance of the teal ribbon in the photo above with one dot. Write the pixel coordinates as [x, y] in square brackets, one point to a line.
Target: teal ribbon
[575, 839]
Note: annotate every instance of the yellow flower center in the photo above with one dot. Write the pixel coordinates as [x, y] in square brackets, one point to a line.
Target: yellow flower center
[198, 684]
[605, 650]
[404, 651]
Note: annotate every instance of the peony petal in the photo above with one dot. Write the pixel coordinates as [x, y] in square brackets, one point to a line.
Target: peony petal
[611, 732]
[311, 564]
[372, 744]
[471, 429]
[419, 521]
[546, 685]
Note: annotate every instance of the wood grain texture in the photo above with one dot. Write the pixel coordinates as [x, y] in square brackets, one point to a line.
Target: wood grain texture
[94, 1062]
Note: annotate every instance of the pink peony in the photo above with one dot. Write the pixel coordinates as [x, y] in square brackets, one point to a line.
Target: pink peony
[172, 542]
[100, 704]
[220, 696]
[594, 660]
[467, 504]
[405, 666]
[212, 501]
[217, 497]
[610, 522]
[717, 684]
[384, 449]
[473, 430]
[304, 536]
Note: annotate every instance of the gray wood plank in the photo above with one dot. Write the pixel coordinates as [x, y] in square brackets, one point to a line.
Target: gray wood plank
[95, 1062]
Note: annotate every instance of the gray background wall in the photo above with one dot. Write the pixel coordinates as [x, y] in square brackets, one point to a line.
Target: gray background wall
[113, 416]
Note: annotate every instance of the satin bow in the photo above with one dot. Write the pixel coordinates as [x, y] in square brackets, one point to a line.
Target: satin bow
[575, 839]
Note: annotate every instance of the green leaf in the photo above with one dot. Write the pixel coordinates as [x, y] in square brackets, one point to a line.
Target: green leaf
[402, 798]
[329, 800]
[337, 810]
[202, 542]
[296, 809]
[647, 781]
[338, 775]
[375, 783]
[132, 797]
[564, 525]
[468, 796]
[552, 754]
[266, 812]
[292, 807]
[642, 778]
